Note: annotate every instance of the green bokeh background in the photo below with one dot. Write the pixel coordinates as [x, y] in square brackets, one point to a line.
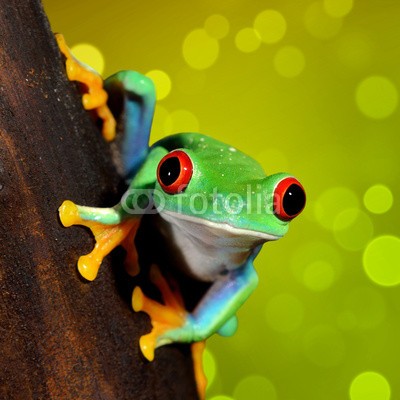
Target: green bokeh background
[317, 320]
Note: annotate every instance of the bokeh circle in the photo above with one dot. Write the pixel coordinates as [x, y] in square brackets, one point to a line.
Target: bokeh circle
[370, 385]
[381, 260]
[377, 97]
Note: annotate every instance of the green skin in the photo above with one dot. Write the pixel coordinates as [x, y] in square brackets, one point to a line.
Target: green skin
[217, 224]
[217, 169]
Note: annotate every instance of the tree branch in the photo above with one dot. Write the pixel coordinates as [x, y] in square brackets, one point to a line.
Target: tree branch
[62, 337]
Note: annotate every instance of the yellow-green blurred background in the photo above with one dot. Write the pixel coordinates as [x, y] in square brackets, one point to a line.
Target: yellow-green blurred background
[311, 88]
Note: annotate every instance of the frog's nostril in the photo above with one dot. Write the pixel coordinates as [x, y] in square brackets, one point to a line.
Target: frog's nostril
[289, 199]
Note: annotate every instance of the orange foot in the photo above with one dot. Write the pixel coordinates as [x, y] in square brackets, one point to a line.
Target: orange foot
[165, 317]
[107, 237]
[96, 97]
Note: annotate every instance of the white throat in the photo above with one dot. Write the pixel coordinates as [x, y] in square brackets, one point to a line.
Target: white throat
[207, 248]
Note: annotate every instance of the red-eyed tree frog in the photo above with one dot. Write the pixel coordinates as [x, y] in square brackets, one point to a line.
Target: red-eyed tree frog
[214, 206]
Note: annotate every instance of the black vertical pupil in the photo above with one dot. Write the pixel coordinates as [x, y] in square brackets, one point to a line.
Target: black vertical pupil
[294, 200]
[170, 170]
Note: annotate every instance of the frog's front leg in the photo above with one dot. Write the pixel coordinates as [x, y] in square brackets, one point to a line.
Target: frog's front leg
[118, 225]
[215, 312]
[165, 317]
[110, 226]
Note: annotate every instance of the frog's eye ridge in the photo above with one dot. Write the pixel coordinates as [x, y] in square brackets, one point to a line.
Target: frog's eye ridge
[289, 199]
[174, 172]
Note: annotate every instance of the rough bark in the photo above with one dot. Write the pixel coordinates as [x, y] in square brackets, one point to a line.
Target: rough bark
[62, 337]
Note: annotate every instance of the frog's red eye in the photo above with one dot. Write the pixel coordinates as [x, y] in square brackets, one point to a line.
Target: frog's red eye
[174, 172]
[289, 199]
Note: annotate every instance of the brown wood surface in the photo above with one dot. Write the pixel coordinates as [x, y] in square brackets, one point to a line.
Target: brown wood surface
[61, 337]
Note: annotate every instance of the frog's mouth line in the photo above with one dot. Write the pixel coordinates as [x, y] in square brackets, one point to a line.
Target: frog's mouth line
[216, 226]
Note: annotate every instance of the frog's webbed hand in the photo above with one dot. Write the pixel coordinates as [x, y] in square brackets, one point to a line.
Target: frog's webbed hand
[95, 97]
[118, 225]
[110, 230]
[134, 95]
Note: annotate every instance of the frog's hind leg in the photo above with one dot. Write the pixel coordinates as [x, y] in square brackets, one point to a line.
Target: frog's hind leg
[109, 230]
[170, 315]
[201, 380]
[133, 94]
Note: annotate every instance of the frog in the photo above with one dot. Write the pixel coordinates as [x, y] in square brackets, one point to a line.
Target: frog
[213, 205]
